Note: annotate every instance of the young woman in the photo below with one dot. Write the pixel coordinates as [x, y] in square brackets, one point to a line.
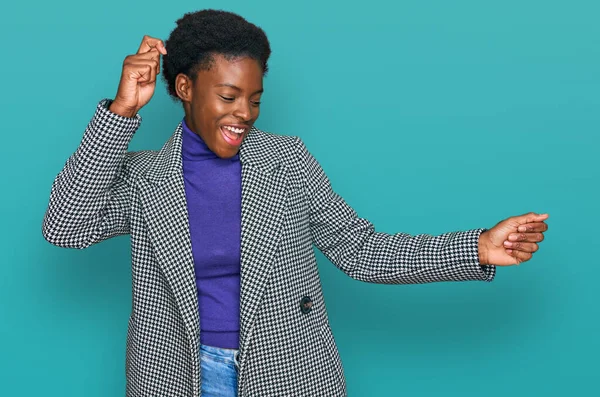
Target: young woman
[226, 294]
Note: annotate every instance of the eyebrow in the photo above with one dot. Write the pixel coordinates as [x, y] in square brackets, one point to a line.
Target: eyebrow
[236, 87]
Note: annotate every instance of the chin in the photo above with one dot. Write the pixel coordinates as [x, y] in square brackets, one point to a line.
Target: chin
[227, 153]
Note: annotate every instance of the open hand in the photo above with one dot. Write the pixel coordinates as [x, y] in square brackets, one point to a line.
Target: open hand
[513, 240]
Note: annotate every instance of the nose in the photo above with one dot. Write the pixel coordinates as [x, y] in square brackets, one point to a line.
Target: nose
[243, 111]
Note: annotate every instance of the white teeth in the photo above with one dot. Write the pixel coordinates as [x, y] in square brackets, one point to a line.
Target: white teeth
[236, 130]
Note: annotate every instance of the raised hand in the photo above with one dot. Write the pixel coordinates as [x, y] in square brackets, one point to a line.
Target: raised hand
[513, 240]
[138, 78]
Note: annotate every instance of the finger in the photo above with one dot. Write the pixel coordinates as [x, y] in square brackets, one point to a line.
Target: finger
[152, 54]
[529, 237]
[533, 227]
[521, 246]
[143, 73]
[519, 256]
[530, 218]
[150, 58]
[148, 43]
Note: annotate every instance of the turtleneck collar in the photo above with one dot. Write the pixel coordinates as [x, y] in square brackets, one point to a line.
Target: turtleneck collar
[194, 148]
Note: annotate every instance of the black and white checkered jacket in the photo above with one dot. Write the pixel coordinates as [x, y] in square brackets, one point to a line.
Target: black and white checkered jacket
[286, 345]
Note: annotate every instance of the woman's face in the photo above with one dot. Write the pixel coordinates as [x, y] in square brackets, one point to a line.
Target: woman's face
[223, 103]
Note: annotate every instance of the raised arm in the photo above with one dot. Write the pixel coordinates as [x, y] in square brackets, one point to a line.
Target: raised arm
[91, 196]
[89, 200]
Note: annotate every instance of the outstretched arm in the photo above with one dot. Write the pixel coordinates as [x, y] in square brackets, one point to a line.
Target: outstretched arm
[352, 244]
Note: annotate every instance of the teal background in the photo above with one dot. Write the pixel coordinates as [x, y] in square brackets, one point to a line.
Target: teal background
[428, 117]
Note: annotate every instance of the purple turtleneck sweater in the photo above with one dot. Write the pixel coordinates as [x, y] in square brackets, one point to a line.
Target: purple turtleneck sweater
[213, 189]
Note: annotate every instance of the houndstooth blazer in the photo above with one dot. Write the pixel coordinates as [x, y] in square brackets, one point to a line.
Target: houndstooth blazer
[286, 345]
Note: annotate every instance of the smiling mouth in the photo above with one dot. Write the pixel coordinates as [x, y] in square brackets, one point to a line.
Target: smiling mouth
[233, 134]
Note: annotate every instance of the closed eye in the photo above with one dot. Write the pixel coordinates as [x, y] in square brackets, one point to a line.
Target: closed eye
[231, 99]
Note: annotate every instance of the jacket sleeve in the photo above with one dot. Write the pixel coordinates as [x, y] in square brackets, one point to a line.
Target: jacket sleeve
[352, 244]
[91, 196]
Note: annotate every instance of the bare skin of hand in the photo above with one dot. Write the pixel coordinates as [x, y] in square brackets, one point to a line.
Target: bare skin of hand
[138, 78]
[512, 241]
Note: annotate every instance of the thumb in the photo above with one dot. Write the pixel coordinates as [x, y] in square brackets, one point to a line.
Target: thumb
[529, 218]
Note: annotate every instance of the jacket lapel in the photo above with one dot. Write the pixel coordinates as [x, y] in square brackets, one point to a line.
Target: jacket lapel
[263, 202]
[165, 211]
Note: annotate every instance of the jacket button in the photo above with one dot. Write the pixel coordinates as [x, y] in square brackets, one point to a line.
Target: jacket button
[306, 304]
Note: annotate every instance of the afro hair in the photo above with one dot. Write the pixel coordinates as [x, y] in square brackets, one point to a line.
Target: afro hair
[200, 35]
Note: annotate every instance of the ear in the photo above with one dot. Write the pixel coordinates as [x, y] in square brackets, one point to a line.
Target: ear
[184, 87]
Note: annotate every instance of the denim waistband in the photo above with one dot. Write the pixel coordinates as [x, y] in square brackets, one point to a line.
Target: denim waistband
[227, 355]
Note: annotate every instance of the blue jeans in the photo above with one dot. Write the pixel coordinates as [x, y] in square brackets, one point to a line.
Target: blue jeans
[219, 371]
